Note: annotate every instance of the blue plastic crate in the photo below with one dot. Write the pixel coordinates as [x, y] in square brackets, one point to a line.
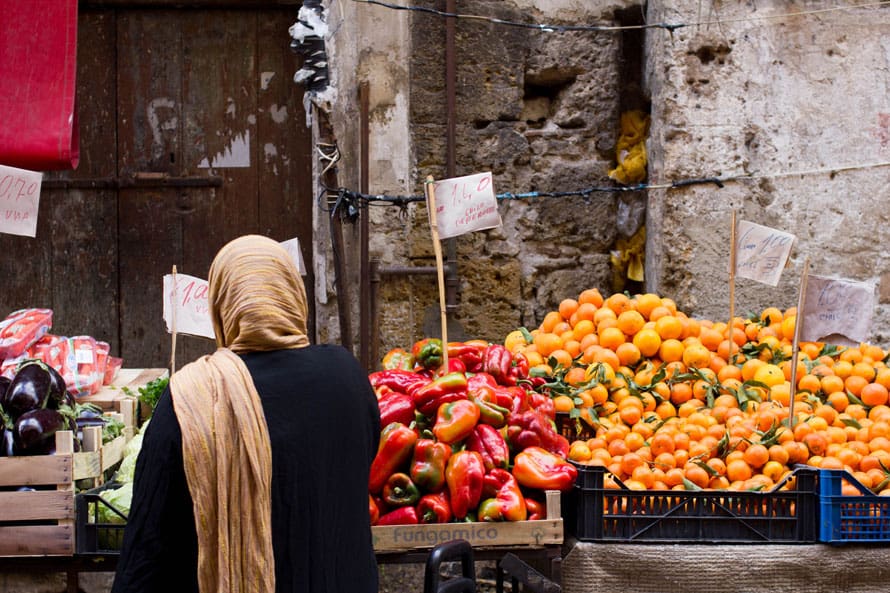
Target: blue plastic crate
[851, 519]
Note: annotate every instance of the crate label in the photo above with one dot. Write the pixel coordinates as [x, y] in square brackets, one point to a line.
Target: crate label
[479, 534]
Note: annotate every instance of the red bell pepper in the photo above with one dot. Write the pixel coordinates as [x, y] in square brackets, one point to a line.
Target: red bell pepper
[455, 365]
[434, 508]
[504, 501]
[398, 380]
[490, 444]
[396, 445]
[428, 464]
[395, 407]
[519, 370]
[470, 353]
[464, 475]
[497, 362]
[455, 421]
[427, 353]
[543, 403]
[400, 516]
[533, 429]
[373, 510]
[489, 410]
[400, 491]
[444, 389]
[398, 358]
[537, 510]
[535, 467]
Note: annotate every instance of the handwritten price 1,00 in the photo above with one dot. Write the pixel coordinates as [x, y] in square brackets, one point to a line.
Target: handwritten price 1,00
[194, 296]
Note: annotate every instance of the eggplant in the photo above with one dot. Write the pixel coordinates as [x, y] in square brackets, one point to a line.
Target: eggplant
[29, 389]
[7, 447]
[4, 385]
[58, 390]
[35, 431]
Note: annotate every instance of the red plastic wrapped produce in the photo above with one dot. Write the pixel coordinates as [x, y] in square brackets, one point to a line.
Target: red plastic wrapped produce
[21, 329]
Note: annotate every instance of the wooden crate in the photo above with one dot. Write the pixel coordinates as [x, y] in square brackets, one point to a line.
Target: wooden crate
[38, 522]
[480, 534]
[41, 521]
[125, 386]
[96, 456]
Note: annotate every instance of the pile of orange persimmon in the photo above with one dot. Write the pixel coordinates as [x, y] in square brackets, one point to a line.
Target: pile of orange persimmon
[666, 401]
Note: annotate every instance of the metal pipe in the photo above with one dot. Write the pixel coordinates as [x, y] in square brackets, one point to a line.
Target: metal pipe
[451, 281]
[364, 272]
[374, 283]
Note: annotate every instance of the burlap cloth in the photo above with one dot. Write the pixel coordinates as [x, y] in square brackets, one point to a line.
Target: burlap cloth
[710, 568]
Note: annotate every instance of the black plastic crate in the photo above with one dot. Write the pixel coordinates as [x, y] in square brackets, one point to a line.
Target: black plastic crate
[595, 513]
[95, 537]
[864, 518]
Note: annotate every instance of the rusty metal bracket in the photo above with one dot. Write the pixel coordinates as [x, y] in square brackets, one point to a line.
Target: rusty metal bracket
[139, 180]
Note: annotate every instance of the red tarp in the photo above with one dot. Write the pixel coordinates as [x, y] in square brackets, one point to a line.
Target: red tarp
[38, 64]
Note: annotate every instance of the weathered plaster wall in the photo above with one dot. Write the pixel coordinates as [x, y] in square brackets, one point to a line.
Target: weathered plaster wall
[769, 97]
[751, 95]
[540, 111]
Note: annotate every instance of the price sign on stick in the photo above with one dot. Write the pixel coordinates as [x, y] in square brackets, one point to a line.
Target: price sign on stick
[431, 204]
[761, 252]
[841, 309]
[19, 198]
[186, 310]
[465, 204]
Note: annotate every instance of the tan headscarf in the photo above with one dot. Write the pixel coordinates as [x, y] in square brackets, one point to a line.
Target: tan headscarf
[257, 302]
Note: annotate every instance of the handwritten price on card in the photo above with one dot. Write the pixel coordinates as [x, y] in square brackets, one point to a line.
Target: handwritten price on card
[833, 306]
[465, 204]
[194, 296]
[19, 200]
[186, 307]
[761, 252]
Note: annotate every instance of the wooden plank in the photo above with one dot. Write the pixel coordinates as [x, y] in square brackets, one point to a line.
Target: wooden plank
[114, 397]
[219, 102]
[283, 150]
[84, 263]
[149, 139]
[112, 452]
[35, 505]
[37, 540]
[406, 538]
[87, 465]
[480, 534]
[36, 470]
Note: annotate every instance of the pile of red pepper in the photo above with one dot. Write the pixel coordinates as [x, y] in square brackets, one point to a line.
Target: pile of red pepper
[468, 441]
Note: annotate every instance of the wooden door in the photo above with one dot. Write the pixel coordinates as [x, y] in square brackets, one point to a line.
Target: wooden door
[192, 133]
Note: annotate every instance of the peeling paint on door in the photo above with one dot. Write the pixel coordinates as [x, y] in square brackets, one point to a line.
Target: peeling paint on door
[237, 154]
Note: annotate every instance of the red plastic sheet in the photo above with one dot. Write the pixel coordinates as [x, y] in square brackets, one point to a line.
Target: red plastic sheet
[38, 66]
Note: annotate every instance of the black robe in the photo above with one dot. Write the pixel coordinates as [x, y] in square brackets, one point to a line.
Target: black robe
[324, 426]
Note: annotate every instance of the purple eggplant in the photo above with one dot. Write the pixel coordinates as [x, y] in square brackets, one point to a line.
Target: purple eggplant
[29, 389]
[4, 384]
[35, 431]
[7, 447]
[58, 391]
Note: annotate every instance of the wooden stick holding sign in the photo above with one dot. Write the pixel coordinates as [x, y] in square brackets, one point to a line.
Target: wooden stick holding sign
[440, 272]
[173, 325]
[795, 342]
[732, 267]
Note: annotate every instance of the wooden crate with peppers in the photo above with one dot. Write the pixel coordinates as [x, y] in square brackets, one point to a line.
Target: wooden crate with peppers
[466, 446]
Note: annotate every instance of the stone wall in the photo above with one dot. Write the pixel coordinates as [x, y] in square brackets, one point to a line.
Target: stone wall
[791, 100]
[540, 111]
[796, 102]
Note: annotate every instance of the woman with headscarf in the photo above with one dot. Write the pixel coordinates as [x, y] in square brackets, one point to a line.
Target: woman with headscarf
[253, 472]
